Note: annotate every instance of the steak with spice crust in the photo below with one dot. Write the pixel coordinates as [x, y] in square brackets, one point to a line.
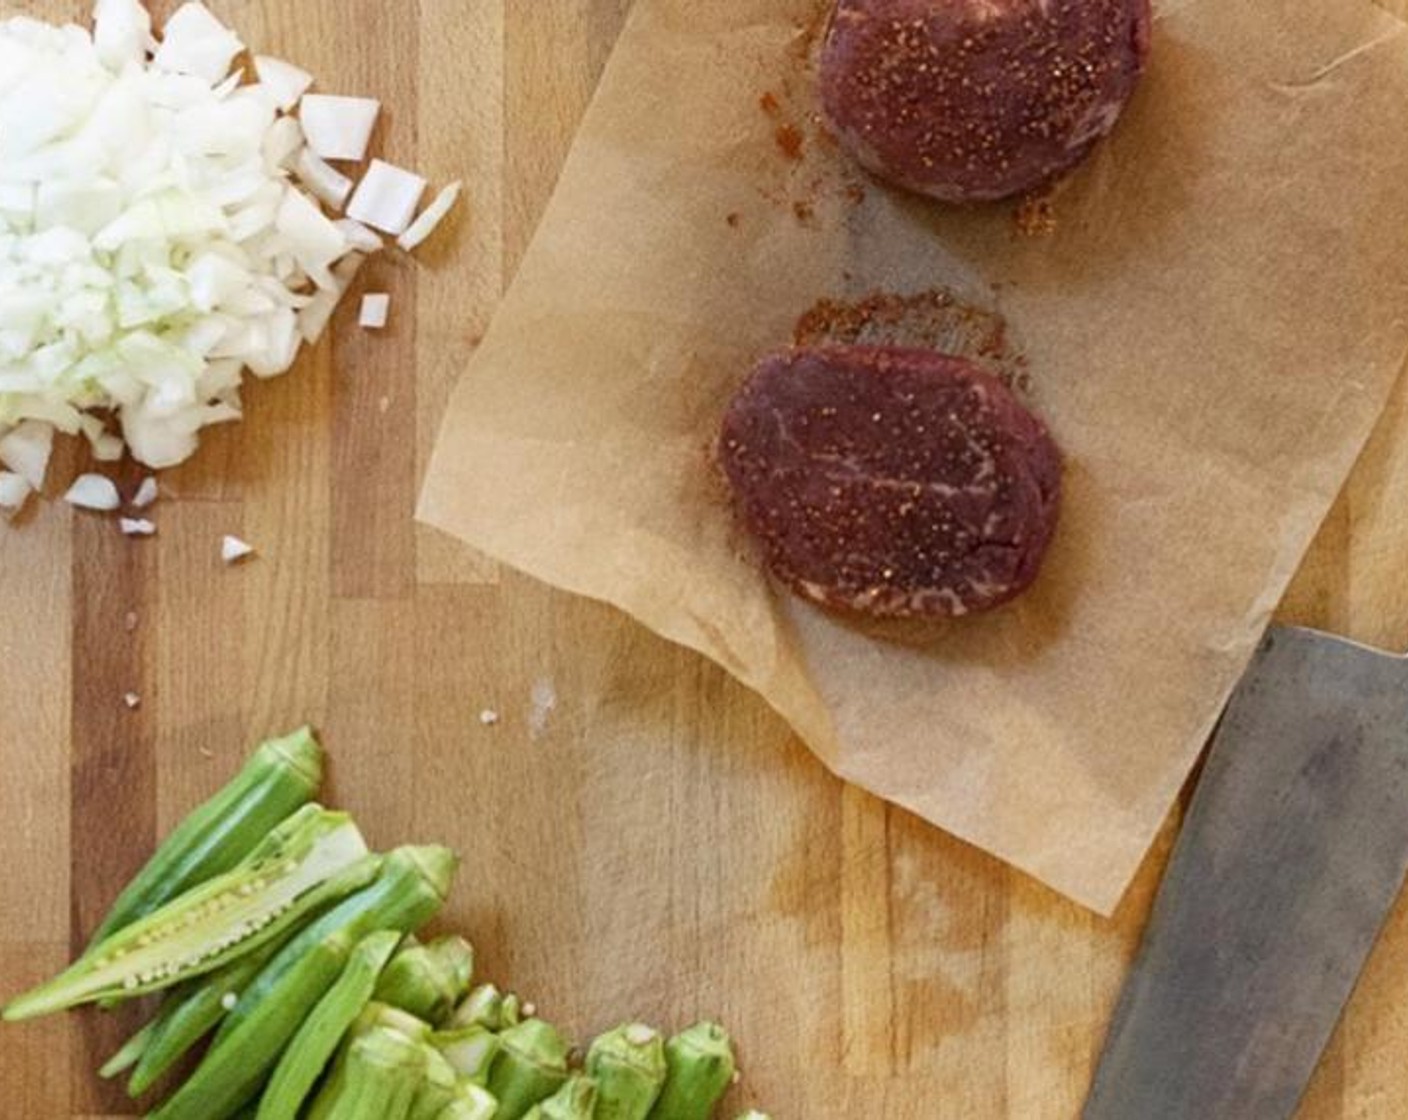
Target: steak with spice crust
[891, 482]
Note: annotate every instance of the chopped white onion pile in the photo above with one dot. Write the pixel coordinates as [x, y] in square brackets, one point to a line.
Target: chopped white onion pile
[160, 230]
[136, 526]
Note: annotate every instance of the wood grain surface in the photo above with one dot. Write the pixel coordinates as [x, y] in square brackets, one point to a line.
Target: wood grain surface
[641, 836]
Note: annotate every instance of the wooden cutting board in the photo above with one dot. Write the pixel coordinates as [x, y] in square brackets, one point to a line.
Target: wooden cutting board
[641, 836]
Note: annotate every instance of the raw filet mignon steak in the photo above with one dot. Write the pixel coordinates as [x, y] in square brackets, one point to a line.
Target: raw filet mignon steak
[891, 482]
[966, 100]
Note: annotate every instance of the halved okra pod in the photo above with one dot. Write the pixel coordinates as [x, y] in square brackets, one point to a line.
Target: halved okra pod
[317, 1039]
[470, 1050]
[701, 1068]
[576, 1100]
[531, 1066]
[279, 777]
[428, 980]
[409, 891]
[192, 1014]
[210, 925]
[629, 1067]
[378, 1081]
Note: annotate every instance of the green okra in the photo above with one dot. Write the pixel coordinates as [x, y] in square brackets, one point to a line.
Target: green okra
[471, 1050]
[130, 1054]
[378, 1080]
[531, 1066]
[408, 892]
[472, 1102]
[233, 1071]
[216, 922]
[576, 1100]
[701, 1068]
[428, 980]
[629, 1067]
[279, 777]
[191, 1014]
[438, 1086]
[483, 1007]
[317, 1039]
[378, 1014]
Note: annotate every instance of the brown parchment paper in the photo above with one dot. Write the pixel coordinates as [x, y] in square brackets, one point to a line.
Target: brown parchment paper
[1212, 330]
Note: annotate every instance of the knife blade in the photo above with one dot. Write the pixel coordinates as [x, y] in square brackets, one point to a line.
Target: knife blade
[1293, 851]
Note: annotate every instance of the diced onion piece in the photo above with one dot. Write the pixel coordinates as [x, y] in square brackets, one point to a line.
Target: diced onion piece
[14, 490]
[232, 549]
[338, 127]
[386, 198]
[430, 217]
[314, 318]
[93, 491]
[194, 42]
[310, 234]
[283, 81]
[282, 142]
[25, 449]
[146, 493]
[136, 526]
[325, 181]
[376, 309]
[359, 236]
[121, 29]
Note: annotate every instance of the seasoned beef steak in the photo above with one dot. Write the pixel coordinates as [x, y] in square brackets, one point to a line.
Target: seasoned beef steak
[966, 100]
[891, 482]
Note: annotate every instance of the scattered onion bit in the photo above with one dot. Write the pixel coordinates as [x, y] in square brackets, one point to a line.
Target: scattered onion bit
[232, 550]
[136, 526]
[14, 490]
[376, 310]
[386, 198]
[338, 127]
[93, 491]
[430, 217]
[146, 493]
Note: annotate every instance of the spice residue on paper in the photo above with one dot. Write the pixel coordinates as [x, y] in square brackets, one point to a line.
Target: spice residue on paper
[936, 319]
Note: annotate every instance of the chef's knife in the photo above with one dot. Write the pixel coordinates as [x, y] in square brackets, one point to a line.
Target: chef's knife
[1293, 851]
